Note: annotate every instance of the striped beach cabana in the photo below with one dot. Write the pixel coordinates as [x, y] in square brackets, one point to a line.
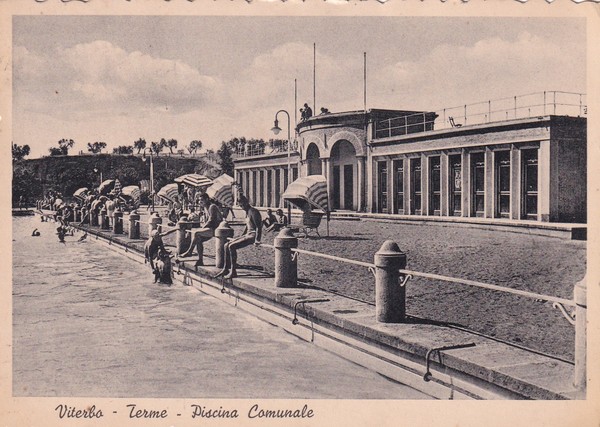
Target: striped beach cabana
[221, 190]
[194, 180]
[169, 192]
[308, 193]
[133, 193]
[81, 193]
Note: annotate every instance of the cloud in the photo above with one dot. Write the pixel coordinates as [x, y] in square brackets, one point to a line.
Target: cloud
[492, 68]
[100, 76]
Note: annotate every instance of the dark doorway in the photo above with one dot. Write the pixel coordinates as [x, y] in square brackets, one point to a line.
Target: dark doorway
[348, 186]
[336, 187]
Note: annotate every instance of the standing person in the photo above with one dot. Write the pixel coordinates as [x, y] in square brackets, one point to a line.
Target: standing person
[213, 218]
[110, 210]
[252, 234]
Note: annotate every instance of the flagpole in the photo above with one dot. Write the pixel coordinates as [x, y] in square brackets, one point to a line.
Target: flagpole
[314, 78]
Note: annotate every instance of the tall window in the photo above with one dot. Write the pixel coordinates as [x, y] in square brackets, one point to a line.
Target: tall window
[415, 185]
[399, 185]
[262, 188]
[455, 185]
[383, 186]
[502, 160]
[530, 180]
[435, 185]
[478, 178]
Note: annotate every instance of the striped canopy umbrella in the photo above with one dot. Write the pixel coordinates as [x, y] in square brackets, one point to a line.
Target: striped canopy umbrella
[194, 180]
[106, 186]
[81, 193]
[308, 192]
[133, 193]
[221, 190]
[169, 192]
[118, 186]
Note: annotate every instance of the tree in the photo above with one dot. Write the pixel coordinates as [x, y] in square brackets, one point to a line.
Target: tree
[123, 149]
[157, 146]
[64, 145]
[225, 160]
[171, 143]
[20, 151]
[140, 144]
[194, 146]
[96, 147]
[55, 151]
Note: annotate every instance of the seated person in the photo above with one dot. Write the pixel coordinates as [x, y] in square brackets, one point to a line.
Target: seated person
[281, 222]
[269, 220]
[252, 234]
[206, 231]
[193, 215]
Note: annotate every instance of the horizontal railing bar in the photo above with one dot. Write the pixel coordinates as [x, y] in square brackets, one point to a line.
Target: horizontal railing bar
[492, 287]
[468, 282]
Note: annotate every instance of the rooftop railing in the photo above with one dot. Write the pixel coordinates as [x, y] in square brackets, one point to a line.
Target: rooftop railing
[496, 110]
[257, 150]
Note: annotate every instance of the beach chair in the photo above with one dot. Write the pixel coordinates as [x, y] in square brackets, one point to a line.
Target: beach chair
[310, 222]
[454, 125]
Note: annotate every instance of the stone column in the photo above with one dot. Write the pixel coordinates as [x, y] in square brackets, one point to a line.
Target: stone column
[465, 175]
[580, 297]
[445, 185]
[490, 184]
[134, 225]
[286, 265]
[390, 297]
[154, 223]
[544, 187]
[516, 175]
[360, 184]
[118, 221]
[424, 185]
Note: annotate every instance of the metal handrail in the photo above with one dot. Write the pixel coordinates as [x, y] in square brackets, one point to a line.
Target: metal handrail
[544, 104]
[371, 267]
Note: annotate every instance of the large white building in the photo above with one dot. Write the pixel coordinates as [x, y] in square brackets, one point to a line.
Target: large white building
[525, 162]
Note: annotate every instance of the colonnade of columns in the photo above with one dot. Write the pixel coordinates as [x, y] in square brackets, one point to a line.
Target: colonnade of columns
[264, 186]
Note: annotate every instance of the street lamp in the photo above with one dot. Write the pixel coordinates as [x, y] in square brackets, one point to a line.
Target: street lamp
[276, 129]
[151, 173]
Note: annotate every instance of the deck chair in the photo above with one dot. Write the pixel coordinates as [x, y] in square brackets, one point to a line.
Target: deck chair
[310, 222]
[454, 125]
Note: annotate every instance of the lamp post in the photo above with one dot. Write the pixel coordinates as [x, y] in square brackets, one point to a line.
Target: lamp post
[276, 129]
[151, 174]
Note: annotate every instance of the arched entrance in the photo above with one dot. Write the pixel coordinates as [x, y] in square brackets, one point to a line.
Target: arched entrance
[344, 169]
[313, 160]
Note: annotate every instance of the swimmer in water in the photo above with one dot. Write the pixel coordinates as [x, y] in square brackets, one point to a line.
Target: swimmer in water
[35, 233]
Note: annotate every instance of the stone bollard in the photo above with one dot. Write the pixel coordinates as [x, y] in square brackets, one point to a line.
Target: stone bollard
[104, 224]
[580, 297]
[134, 225]
[286, 266]
[154, 223]
[183, 238]
[390, 297]
[222, 233]
[94, 217]
[118, 221]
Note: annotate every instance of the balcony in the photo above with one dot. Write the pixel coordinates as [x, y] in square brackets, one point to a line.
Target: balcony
[497, 110]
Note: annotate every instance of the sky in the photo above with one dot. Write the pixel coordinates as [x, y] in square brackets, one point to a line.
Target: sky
[119, 78]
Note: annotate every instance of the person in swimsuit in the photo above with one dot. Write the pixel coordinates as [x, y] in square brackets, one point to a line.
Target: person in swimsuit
[251, 235]
[213, 218]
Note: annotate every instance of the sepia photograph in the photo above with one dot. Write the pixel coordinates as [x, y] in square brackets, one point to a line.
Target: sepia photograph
[246, 218]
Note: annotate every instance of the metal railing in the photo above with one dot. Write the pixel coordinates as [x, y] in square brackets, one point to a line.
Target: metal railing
[250, 151]
[502, 109]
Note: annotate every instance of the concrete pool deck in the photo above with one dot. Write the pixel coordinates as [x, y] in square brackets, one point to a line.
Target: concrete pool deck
[486, 369]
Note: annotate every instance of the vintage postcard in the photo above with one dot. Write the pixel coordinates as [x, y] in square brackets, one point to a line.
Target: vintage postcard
[299, 213]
